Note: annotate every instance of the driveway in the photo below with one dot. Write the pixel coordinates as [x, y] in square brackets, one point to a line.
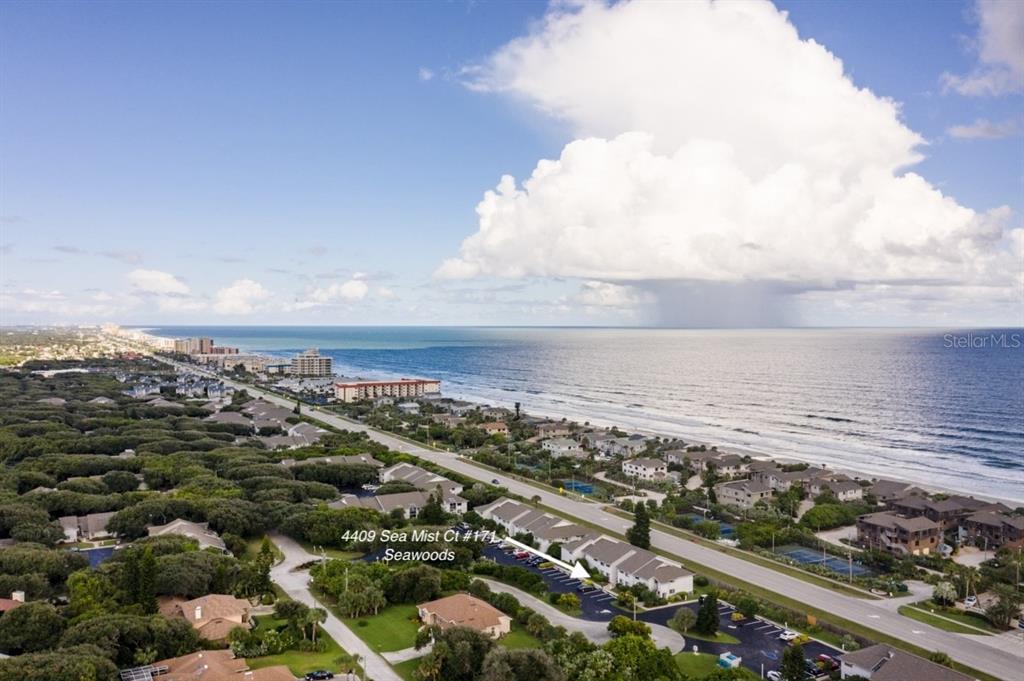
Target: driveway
[998, 663]
[295, 583]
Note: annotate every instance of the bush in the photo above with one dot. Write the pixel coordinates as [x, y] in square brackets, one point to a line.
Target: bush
[700, 580]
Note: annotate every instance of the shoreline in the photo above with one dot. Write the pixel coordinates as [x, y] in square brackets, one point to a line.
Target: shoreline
[722, 445]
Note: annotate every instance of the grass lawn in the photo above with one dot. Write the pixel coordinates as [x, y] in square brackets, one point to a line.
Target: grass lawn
[941, 620]
[696, 665]
[721, 637]
[393, 628]
[333, 658]
[405, 669]
[519, 638]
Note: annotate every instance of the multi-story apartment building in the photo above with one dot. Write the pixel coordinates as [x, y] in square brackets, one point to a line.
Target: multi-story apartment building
[312, 363]
[989, 529]
[354, 391]
[899, 535]
[645, 469]
[742, 493]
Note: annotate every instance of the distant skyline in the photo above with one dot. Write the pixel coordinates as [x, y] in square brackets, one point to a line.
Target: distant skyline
[648, 163]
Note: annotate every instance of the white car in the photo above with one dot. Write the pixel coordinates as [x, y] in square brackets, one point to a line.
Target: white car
[774, 676]
[970, 601]
[788, 636]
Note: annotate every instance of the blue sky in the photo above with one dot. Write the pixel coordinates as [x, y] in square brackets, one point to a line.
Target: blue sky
[318, 162]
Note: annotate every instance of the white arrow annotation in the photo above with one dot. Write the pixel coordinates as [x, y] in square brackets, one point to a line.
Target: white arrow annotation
[576, 571]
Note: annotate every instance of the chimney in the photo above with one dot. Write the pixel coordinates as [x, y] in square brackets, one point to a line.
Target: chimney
[18, 596]
[199, 612]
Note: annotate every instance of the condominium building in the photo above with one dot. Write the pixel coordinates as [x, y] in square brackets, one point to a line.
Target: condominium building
[646, 469]
[895, 534]
[742, 493]
[312, 363]
[193, 346]
[354, 391]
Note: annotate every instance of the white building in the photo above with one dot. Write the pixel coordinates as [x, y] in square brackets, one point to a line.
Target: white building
[354, 391]
[411, 503]
[742, 493]
[419, 478]
[563, 446]
[621, 563]
[646, 469]
[312, 363]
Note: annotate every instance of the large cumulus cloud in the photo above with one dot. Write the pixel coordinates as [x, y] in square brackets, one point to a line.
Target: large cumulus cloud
[714, 144]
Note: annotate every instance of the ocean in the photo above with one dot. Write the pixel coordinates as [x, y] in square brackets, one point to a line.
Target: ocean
[940, 408]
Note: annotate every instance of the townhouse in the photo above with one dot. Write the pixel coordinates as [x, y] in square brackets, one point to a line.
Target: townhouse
[353, 460]
[85, 527]
[200, 532]
[495, 428]
[991, 529]
[410, 503]
[621, 563]
[842, 489]
[419, 478]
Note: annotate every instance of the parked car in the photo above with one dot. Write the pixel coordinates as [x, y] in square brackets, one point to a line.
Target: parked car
[495, 481]
[971, 602]
[319, 675]
[827, 662]
[788, 636]
[774, 676]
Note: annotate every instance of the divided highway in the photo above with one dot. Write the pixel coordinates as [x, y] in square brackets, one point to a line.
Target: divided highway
[998, 662]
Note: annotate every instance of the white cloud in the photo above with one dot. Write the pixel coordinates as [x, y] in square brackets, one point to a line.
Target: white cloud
[986, 129]
[241, 297]
[155, 281]
[717, 146]
[385, 293]
[349, 291]
[425, 74]
[604, 294]
[1000, 49]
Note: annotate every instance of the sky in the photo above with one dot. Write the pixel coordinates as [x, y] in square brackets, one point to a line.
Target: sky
[637, 163]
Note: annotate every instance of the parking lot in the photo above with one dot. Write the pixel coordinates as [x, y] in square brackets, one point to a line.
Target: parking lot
[759, 644]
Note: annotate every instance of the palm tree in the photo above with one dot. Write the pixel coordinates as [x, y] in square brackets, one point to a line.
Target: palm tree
[314, 617]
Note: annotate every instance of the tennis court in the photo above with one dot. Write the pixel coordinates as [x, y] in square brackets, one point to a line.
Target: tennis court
[579, 487]
[802, 554]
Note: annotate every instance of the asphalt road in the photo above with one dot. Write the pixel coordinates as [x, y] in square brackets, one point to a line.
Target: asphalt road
[295, 583]
[1002, 664]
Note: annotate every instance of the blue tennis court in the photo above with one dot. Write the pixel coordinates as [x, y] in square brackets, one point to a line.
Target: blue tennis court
[802, 554]
[579, 487]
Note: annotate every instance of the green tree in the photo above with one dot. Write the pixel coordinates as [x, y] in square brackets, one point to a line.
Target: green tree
[793, 663]
[432, 513]
[67, 664]
[502, 664]
[1005, 607]
[569, 601]
[640, 533]
[748, 607]
[944, 593]
[90, 593]
[29, 628]
[623, 626]
[683, 619]
[707, 615]
[939, 657]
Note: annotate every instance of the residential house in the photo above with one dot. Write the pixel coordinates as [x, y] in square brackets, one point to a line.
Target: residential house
[464, 610]
[408, 408]
[496, 413]
[448, 420]
[646, 469]
[16, 600]
[547, 529]
[213, 616]
[628, 565]
[461, 407]
[495, 428]
[843, 490]
[742, 493]
[553, 429]
[206, 665]
[899, 535]
[411, 503]
[200, 532]
[353, 460]
[888, 490]
[235, 418]
[85, 527]
[882, 662]
[563, 446]
[696, 459]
